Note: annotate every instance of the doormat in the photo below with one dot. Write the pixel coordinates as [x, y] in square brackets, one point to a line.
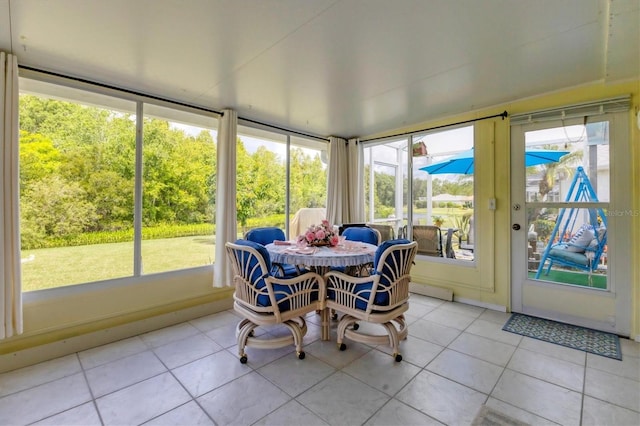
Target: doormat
[487, 416]
[571, 336]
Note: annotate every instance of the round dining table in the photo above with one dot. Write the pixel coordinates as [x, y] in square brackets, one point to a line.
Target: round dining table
[321, 260]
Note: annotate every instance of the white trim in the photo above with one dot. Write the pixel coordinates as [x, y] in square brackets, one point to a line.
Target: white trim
[493, 307]
[585, 109]
[431, 291]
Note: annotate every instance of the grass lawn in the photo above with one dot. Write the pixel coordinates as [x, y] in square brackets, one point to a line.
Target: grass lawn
[56, 267]
[575, 278]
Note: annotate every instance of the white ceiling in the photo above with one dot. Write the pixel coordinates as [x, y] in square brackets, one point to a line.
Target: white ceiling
[330, 67]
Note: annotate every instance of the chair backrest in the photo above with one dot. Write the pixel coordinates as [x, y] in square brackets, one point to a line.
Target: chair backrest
[362, 234]
[392, 263]
[346, 226]
[251, 264]
[265, 235]
[429, 239]
[386, 231]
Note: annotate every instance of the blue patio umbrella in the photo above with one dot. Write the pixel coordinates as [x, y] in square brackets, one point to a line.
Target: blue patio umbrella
[462, 163]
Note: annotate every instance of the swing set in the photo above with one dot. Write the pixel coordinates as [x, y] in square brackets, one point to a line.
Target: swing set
[583, 248]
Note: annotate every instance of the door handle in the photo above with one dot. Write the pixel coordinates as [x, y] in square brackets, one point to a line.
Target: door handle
[515, 227]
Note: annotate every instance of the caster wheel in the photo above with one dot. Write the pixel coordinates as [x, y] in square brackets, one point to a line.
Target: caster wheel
[342, 346]
[398, 357]
[243, 359]
[301, 355]
[356, 326]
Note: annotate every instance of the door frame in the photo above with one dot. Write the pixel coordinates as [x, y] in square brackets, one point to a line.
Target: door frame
[619, 217]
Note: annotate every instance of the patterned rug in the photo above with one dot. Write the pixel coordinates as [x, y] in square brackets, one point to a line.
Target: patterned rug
[584, 339]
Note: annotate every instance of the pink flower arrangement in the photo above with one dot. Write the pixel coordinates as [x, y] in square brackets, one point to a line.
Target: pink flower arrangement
[322, 234]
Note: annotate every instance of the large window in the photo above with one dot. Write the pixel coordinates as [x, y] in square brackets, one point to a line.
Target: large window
[281, 180]
[437, 208]
[98, 203]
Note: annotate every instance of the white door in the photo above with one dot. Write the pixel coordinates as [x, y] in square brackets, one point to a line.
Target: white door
[571, 211]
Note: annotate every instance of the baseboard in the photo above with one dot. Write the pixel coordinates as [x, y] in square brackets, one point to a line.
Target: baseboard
[431, 291]
[37, 354]
[480, 304]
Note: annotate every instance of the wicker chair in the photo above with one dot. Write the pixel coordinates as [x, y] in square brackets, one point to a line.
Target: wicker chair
[267, 235]
[263, 299]
[386, 231]
[364, 235]
[429, 239]
[381, 298]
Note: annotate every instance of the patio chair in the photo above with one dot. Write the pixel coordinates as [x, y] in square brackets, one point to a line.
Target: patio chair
[263, 300]
[429, 239]
[267, 235]
[365, 235]
[381, 298]
[386, 231]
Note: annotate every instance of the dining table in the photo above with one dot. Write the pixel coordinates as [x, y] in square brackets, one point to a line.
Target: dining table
[321, 259]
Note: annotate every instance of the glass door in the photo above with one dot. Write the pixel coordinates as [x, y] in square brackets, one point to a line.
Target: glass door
[568, 245]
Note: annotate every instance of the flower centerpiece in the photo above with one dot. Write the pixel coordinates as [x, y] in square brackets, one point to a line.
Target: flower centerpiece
[319, 235]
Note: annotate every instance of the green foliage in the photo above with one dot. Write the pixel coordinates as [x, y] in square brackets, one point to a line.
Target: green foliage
[121, 235]
[54, 207]
[463, 223]
[78, 166]
[544, 228]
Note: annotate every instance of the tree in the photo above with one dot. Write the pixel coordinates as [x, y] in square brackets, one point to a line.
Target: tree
[52, 207]
[38, 158]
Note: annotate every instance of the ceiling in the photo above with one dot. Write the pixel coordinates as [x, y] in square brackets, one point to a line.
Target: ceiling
[330, 67]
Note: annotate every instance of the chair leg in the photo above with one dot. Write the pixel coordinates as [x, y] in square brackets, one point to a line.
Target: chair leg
[244, 331]
[298, 328]
[344, 323]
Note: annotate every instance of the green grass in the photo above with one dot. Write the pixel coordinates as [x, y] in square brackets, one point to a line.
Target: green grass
[576, 278]
[61, 266]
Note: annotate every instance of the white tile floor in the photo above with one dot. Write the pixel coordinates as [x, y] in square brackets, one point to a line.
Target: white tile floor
[456, 359]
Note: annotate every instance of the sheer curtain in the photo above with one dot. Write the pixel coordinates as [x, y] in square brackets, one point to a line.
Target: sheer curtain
[337, 192]
[345, 193]
[10, 284]
[226, 225]
[355, 171]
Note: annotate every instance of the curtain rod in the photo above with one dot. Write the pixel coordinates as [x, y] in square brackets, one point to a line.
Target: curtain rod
[120, 89]
[158, 98]
[282, 128]
[502, 114]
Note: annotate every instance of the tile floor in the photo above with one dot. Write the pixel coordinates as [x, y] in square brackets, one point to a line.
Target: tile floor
[456, 359]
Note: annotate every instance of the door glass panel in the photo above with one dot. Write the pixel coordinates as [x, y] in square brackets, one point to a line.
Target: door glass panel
[567, 197]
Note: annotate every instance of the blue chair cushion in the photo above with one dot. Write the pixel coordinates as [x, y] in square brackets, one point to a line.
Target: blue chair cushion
[265, 235]
[362, 234]
[258, 277]
[562, 254]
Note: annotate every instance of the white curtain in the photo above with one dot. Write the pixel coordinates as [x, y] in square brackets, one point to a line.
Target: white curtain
[10, 284]
[226, 225]
[345, 188]
[337, 191]
[355, 171]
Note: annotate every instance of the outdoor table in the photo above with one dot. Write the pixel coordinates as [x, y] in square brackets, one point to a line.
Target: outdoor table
[321, 260]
